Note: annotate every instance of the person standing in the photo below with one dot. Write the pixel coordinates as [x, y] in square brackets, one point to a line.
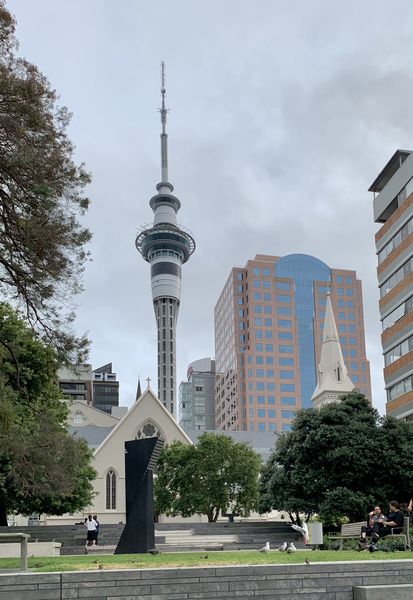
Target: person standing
[97, 528]
[91, 532]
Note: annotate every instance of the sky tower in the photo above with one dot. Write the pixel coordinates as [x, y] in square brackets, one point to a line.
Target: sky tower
[165, 246]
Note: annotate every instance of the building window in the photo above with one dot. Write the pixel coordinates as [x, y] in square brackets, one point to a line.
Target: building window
[78, 418]
[284, 323]
[257, 283]
[349, 292]
[259, 372]
[255, 271]
[269, 360]
[284, 335]
[285, 348]
[268, 348]
[267, 310]
[261, 426]
[259, 348]
[287, 414]
[271, 413]
[339, 278]
[257, 322]
[260, 399]
[286, 374]
[286, 362]
[288, 400]
[287, 387]
[111, 490]
[271, 427]
[261, 413]
[257, 308]
[266, 272]
[282, 285]
[239, 276]
[267, 297]
[271, 400]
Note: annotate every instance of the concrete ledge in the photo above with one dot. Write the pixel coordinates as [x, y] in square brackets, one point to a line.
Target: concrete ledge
[384, 592]
[12, 550]
[298, 581]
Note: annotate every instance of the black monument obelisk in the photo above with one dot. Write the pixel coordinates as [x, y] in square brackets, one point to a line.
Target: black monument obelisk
[140, 459]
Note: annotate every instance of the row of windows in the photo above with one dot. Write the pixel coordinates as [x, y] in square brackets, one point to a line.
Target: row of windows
[398, 351]
[288, 400]
[397, 277]
[400, 388]
[268, 427]
[340, 303]
[262, 413]
[260, 386]
[396, 240]
[270, 372]
[340, 279]
[339, 291]
[399, 312]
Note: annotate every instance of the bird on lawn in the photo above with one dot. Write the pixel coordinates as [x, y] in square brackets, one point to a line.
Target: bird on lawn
[283, 547]
[206, 556]
[265, 548]
[291, 548]
[307, 561]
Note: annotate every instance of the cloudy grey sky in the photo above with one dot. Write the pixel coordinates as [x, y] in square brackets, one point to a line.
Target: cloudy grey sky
[282, 114]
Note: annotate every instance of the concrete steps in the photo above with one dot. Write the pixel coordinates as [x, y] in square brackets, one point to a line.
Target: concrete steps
[173, 537]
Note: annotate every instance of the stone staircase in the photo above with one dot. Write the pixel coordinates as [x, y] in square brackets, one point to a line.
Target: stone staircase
[172, 537]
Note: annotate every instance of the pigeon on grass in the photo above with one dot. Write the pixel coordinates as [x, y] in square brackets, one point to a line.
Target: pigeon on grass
[291, 548]
[265, 548]
[283, 547]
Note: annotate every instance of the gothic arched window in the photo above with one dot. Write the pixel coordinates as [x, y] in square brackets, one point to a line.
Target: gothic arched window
[110, 490]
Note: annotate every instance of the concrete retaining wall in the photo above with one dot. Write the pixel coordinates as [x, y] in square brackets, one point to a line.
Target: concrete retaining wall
[33, 549]
[323, 581]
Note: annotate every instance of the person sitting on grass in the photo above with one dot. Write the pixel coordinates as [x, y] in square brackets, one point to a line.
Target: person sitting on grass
[393, 523]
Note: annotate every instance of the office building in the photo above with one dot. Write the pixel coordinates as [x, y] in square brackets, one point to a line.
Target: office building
[98, 388]
[393, 208]
[197, 396]
[269, 323]
[105, 389]
[166, 247]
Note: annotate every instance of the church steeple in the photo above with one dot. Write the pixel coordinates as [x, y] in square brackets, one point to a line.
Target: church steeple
[333, 378]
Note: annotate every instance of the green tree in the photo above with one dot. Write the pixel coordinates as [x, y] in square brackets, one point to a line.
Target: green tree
[215, 475]
[339, 460]
[42, 243]
[42, 468]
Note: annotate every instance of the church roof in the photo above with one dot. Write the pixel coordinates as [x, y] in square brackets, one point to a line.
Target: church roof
[92, 434]
[263, 443]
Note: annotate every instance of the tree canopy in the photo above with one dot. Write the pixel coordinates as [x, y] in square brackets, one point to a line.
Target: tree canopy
[42, 468]
[338, 461]
[42, 243]
[215, 475]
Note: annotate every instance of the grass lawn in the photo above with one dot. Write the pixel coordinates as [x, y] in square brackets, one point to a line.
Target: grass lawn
[193, 559]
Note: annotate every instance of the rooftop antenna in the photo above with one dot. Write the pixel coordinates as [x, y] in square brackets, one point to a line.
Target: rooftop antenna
[164, 136]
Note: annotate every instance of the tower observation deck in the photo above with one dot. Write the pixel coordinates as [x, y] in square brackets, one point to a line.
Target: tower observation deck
[165, 246]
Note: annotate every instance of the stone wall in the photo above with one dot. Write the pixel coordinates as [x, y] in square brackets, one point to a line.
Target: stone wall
[323, 581]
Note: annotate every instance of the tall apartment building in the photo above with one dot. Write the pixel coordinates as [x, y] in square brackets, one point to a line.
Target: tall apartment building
[98, 387]
[197, 397]
[393, 207]
[269, 323]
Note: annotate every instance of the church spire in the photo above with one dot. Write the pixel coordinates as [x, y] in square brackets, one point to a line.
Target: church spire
[138, 391]
[333, 378]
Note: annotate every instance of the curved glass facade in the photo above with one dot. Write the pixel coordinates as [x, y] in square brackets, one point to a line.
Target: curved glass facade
[304, 270]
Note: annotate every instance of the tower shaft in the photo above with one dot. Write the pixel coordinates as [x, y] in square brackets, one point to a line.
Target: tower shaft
[166, 247]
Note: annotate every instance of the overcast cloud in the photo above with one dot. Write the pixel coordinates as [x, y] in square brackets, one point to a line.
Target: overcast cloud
[282, 114]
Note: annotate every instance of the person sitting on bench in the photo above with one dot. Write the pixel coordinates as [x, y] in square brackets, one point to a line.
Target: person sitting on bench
[375, 520]
[392, 524]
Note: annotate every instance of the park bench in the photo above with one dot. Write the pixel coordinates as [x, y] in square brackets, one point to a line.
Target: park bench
[9, 538]
[352, 530]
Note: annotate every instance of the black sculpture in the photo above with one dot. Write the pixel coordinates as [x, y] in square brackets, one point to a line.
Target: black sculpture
[141, 457]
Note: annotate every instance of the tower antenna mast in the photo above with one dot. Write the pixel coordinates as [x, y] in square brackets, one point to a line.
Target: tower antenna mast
[164, 136]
